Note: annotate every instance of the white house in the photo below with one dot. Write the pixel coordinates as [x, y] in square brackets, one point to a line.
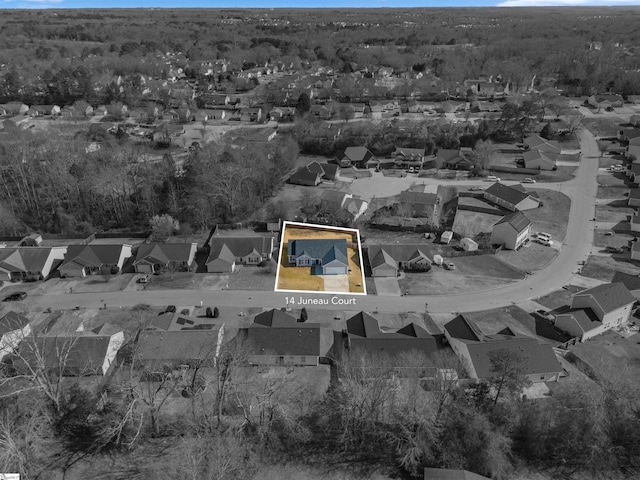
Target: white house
[634, 223]
[511, 230]
[13, 329]
[596, 310]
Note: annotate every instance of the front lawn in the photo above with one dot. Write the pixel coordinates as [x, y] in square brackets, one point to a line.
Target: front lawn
[605, 267]
[552, 217]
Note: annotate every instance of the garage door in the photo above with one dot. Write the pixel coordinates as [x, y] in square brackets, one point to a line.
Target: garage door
[334, 271]
[144, 268]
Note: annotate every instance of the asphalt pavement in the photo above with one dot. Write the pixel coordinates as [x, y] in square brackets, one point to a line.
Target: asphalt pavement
[577, 246]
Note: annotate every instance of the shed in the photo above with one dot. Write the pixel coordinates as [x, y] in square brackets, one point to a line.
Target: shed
[468, 245]
[438, 260]
[446, 236]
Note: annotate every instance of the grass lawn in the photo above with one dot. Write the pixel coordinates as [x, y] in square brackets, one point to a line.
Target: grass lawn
[530, 257]
[613, 180]
[609, 160]
[559, 298]
[561, 174]
[472, 274]
[603, 126]
[618, 191]
[492, 321]
[553, 216]
[620, 239]
[173, 281]
[615, 211]
[300, 278]
[605, 267]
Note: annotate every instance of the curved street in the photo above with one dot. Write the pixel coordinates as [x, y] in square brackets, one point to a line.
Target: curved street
[576, 247]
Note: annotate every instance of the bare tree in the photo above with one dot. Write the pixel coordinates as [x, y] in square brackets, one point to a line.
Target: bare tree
[163, 226]
[507, 368]
[573, 122]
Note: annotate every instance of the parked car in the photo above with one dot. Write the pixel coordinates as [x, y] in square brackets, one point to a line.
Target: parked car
[544, 236]
[475, 189]
[544, 314]
[170, 309]
[543, 241]
[492, 178]
[609, 233]
[14, 297]
[614, 250]
[449, 265]
[143, 279]
[528, 180]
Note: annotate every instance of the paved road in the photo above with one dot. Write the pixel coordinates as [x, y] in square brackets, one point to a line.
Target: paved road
[577, 246]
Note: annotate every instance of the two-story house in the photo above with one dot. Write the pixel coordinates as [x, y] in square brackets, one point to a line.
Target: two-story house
[511, 231]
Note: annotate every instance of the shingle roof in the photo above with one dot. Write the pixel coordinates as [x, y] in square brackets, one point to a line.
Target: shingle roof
[356, 154]
[447, 154]
[165, 252]
[329, 248]
[306, 174]
[383, 258]
[92, 255]
[24, 259]
[275, 319]
[584, 317]
[12, 321]
[509, 194]
[517, 220]
[418, 197]
[228, 248]
[634, 193]
[303, 339]
[536, 142]
[610, 296]
[179, 346]
[400, 253]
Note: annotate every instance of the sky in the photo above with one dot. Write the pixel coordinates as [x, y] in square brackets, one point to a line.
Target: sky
[37, 4]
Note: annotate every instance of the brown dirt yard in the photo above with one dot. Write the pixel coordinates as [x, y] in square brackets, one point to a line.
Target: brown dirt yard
[472, 274]
[297, 278]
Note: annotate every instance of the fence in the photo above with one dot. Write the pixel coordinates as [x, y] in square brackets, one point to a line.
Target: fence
[476, 208]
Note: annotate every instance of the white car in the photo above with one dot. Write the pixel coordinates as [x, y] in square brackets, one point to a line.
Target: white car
[544, 236]
[528, 180]
[493, 178]
[544, 241]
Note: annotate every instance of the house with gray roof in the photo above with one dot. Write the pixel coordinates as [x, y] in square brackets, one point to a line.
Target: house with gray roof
[277, 338]
[29, 263]
[512, 197]
[310, 175]
[408, 157]
[158, 348]
[363, 335]
[83, 260]
[155, 257]
[388, 260]
[596, 310]
[539, 160]
[226, 253]
[354, 156]
[325, 256]
[511, 230]
[475, 348]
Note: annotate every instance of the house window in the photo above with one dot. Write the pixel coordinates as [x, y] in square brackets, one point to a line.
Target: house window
[303, 359]
[542, 377]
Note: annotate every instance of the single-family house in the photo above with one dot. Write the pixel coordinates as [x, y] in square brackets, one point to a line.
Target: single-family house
[635, 119]
[251, 114]
[13, 329]
[352, 206]
[514, 198]
[83, 260]
[156, 257]
[596, 310]
[634, 223]
[511, 231]
[325, 256]
[475, 349]
[14, 108]
[70, 355]
[536, 142]
[15, 123]
[29, 263]
[356, 156]
[633, 200]
[364, 336]
[83, 108]
[633, 172]
[310, 175]
[538, 160]
[635, 250]
[633, 149]
[605, 101]
[277, 338]
[225, 253]
[160, 349]
[418, 203]
[389, 260]
[453, 160]
[408, 157]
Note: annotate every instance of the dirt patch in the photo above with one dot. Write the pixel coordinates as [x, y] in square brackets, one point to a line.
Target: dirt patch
[470, 224]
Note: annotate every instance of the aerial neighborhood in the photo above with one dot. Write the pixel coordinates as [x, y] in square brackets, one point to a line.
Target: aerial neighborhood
[377, 252]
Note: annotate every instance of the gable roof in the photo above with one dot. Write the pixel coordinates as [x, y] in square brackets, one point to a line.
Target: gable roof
[537, 357]
[511, 194]
[83, 354]
[12, 321]
[163, 253]
[274, 318]
[277, 332]
[92, 255]
[409, 152]
[24, 259]
[399, 252]
[517, 220]
[356, 154]
[180, 346]
[228, 248]
[447, 154]
[610, 296]
[383, 258]
[536, 142]
[326, 248]
[532, 155]
[307, 174]
[584, 317]
[413, 197]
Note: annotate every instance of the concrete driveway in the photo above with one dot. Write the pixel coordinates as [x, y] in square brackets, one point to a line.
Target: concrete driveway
[336, 283]
[387, 286]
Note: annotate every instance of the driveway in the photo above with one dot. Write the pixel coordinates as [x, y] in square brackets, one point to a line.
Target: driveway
[387, 286]
[336, 283]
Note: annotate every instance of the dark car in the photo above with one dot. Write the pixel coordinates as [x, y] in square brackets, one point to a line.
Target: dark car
[14, 297]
